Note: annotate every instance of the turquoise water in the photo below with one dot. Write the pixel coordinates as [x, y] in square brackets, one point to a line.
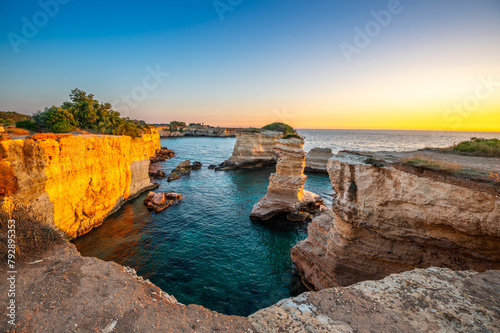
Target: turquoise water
[206, 250]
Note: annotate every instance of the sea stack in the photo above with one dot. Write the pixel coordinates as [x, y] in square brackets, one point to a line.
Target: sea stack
[285, 193]
[254, 148]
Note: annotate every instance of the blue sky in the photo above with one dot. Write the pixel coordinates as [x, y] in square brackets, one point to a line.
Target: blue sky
[266, 60]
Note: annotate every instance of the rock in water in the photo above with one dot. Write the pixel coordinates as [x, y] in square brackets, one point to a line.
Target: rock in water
[253, 149]
[317, 158]
[285, 193]
[196, 166]
[161, 201]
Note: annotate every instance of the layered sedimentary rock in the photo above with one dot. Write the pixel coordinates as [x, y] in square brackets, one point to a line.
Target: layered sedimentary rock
[285, 193]
[74, 182]
[252, 149]
[430, 300]
[317, 158]
[390, 219]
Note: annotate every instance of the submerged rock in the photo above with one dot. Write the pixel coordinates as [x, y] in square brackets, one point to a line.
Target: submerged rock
[285, 193]
[161, 201]
[183, 168]
[422, 300]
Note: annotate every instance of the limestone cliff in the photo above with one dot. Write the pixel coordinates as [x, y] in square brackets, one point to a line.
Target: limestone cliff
[285, 193]
[387, 220]
[252, 149]
[74, 182]
[317, 158]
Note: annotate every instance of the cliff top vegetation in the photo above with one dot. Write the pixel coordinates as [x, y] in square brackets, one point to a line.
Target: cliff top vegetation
[85, 113]
[477, 147]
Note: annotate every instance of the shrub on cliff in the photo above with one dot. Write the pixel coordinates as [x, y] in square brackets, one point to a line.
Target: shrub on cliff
[32, 236]
[87, 113]
[280, 127]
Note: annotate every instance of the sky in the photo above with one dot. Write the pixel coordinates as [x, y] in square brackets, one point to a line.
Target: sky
[368, 64]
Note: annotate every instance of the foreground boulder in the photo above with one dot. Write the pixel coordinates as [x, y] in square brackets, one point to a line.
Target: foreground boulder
[161, 201]
[285, 193]
[317, 158]
[393, 219]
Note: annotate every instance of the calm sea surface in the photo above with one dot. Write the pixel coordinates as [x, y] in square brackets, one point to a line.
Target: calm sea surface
[206, 250]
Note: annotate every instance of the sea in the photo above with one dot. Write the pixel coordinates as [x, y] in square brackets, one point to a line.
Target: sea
[205, 250]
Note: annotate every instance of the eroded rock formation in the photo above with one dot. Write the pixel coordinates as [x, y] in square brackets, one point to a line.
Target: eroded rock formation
[161, 155]
[285, 193]
[317, 158]
[74, 182]
[253, 149]
[390, 219]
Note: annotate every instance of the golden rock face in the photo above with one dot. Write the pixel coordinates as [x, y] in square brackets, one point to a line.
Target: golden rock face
[74, 182]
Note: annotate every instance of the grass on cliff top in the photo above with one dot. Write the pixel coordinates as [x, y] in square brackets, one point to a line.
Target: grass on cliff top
[32, 237]
[476, 147]
[452, 169]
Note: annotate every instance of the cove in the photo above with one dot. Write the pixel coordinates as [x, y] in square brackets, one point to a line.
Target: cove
[205, 250]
